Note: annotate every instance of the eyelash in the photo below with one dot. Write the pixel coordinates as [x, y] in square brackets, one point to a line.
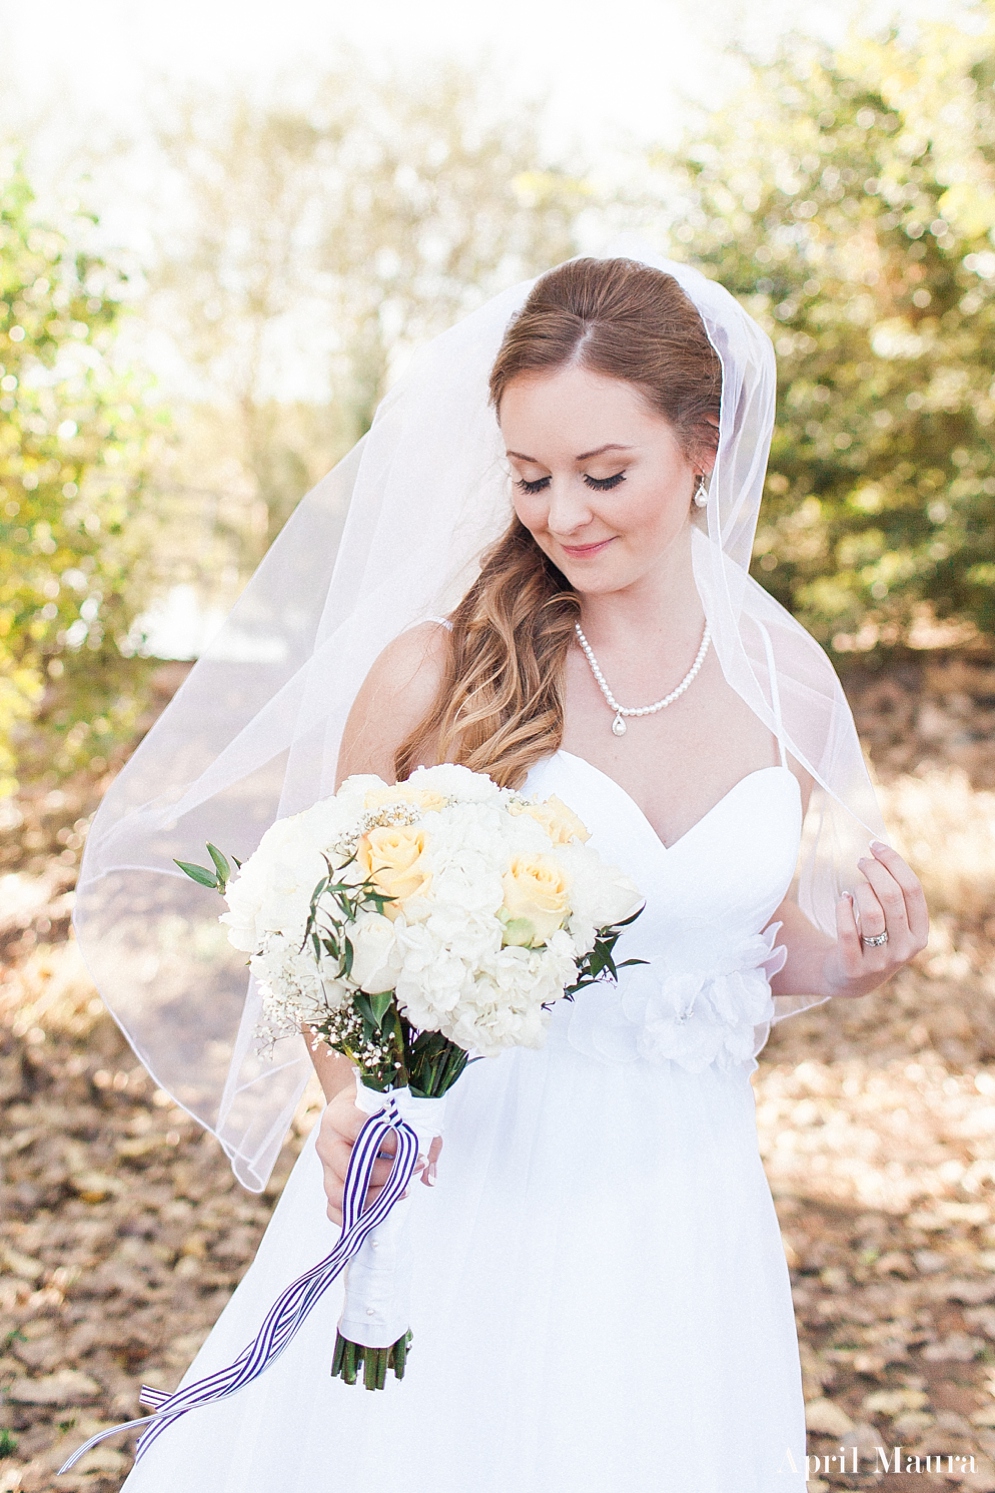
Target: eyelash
[599, 484]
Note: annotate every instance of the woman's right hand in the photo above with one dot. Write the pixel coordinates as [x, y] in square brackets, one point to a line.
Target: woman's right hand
[338, 1130]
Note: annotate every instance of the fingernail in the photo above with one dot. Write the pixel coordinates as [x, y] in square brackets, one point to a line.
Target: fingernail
[878, 845]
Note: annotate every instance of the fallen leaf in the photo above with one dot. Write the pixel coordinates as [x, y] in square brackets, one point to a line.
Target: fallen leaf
[66, 1387]
[22, 1265]
[94, 1187]
[826, 1418]
[892, 1402]
[959, 1347]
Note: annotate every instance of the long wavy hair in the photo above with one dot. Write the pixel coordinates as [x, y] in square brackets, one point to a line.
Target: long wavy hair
[499, 707]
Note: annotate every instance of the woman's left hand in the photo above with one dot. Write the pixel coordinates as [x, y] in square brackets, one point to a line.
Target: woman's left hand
[880, 927]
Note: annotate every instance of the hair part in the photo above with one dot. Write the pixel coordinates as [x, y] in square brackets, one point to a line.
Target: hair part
[499, 707]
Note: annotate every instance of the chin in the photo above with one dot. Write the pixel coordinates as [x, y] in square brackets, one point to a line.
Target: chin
[589, 581]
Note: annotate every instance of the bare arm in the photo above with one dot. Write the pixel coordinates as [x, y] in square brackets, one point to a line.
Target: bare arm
[395, 696]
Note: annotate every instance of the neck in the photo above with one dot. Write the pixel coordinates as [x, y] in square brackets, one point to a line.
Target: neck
[663, 607]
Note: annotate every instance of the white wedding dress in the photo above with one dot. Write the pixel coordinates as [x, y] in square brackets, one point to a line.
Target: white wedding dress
[601, 1300]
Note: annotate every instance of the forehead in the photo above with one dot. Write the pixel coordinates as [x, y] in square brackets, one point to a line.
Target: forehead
[573, 409]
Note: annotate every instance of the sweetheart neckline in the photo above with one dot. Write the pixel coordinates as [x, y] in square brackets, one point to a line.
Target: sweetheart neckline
[756, 773]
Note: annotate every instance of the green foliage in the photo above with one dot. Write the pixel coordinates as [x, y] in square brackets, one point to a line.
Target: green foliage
[334, 230]
[848, 200]
[72, 449]
[600, 963]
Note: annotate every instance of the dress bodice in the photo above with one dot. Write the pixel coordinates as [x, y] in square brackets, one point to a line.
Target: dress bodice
[703, 993]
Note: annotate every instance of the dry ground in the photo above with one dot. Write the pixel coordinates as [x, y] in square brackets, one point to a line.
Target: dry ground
[122, 1232]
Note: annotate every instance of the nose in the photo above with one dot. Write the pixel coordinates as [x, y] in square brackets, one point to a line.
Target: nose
[569, 506]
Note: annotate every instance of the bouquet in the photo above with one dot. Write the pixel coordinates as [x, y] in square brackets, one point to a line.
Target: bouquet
[409, 927]
[414, 928]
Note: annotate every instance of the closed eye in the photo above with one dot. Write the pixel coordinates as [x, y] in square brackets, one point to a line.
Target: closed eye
[532, 487]
[603, 484]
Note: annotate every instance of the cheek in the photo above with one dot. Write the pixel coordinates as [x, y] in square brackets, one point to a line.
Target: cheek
[530, 509]
[656, 509]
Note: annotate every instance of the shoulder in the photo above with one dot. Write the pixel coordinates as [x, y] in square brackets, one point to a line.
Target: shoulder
[409, 670]
[394, 698]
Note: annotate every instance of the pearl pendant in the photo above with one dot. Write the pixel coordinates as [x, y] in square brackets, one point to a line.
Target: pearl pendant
[618, 726]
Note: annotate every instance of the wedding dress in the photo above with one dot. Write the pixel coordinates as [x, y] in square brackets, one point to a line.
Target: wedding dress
[601, 1300]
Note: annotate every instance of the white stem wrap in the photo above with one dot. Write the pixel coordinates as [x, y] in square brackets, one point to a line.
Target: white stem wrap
[376, 1311]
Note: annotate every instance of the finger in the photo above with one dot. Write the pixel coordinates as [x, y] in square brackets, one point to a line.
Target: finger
[332, 1133]
[335, 1187]
[348, 1123]
[889, 895]
[339, 1167]
[335, 1156]
[871, 917]
[917, 911]
[848, 935]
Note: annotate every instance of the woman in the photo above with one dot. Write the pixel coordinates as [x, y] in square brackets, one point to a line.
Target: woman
[601, 1299]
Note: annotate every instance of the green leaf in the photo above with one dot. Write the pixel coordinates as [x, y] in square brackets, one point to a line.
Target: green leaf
[380, 1005]
[362, 1003]
[200, 874]
[221, 863]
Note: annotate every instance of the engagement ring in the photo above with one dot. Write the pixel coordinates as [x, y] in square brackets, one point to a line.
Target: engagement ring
[874, 941]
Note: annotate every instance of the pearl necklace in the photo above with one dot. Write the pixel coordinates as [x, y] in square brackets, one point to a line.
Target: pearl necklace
[618, 724]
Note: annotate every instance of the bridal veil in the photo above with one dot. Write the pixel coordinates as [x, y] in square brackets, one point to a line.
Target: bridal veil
[389, 537]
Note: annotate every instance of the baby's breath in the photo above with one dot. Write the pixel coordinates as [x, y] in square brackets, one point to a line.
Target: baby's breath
[387, 816]
[343, 1030]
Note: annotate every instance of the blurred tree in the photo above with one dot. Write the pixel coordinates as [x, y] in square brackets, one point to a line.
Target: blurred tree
[315, 241]
[849, 200]
[71, 485]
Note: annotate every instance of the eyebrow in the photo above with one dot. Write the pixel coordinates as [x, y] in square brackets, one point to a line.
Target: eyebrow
[584, 455]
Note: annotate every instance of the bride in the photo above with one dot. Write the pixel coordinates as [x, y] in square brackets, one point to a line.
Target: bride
[601, 1300]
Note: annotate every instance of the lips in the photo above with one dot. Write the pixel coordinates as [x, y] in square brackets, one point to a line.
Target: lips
[585, 551]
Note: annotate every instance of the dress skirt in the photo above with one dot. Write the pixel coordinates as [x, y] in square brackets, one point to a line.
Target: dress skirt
[601, 1304]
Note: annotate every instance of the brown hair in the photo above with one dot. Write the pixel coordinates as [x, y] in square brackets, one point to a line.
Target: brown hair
[499, 707]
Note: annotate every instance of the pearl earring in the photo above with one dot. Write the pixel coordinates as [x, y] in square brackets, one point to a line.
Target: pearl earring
[701, 492]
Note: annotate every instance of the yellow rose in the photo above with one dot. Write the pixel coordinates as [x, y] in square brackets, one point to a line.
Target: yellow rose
[425, 799]
[393, 858]
[535, 899]
[560, 822]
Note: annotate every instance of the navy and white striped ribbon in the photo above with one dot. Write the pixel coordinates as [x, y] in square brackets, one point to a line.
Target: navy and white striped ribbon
[289, 1312]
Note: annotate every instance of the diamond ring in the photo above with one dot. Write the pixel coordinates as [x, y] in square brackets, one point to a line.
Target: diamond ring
[874, 941]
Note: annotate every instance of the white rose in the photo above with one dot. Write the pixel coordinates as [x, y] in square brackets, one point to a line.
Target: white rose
[600, 895]
[376, 959]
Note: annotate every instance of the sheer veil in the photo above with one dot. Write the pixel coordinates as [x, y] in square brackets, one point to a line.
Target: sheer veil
[389, 537]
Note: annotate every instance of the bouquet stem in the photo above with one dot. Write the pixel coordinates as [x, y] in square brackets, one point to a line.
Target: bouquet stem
[349, 1358]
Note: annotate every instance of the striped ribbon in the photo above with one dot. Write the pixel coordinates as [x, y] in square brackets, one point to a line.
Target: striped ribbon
[290, 1311]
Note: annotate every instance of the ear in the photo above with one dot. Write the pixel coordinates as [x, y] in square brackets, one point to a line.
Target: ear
[705, 445]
